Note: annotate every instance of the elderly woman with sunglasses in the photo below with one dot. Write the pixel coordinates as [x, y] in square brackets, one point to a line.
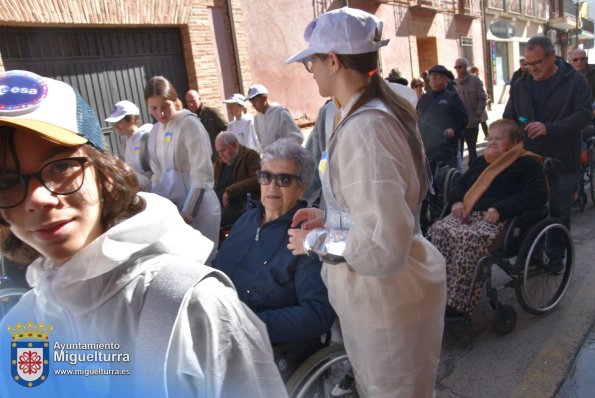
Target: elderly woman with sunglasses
[118, 278]
[285, 291]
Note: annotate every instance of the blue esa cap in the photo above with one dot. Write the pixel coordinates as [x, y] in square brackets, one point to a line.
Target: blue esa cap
[48, 107]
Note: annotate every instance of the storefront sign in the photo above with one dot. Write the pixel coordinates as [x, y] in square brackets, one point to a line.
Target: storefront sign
[503, 29]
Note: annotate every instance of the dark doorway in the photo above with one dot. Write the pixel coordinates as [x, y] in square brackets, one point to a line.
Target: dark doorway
[105, 65]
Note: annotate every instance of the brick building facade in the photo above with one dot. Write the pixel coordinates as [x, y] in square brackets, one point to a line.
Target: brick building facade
[230, 44]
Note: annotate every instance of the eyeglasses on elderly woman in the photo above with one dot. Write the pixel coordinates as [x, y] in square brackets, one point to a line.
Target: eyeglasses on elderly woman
[61, 177]
[283, 180]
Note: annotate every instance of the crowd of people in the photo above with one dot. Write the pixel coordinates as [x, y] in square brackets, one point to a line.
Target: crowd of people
[317, 234]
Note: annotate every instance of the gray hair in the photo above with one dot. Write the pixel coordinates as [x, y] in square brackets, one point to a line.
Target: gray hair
[464, 60]
[287, 149]
[227, 137]
[541, 41]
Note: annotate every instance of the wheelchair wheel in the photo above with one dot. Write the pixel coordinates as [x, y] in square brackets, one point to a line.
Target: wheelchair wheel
[590, 177]
[319, 373]
[9, 297]
[544, 281]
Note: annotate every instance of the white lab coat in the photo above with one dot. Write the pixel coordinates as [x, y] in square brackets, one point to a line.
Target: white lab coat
[181, 164]
[219, 347]
[390, 294]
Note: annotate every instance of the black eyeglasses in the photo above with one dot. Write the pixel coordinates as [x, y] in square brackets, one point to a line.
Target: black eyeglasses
[282, 180]
[579, 59]
[536, 63]
[459, 66]
[60, 177]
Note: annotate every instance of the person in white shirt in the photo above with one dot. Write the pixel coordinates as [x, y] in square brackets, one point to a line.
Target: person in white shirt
[125, 118]
[272, 121]
[241, 122]
[119, 281]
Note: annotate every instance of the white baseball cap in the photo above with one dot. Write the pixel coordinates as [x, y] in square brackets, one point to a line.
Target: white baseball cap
[50, 108]
[122, 109]
[256, 89]
[343, 31]
[236, 99]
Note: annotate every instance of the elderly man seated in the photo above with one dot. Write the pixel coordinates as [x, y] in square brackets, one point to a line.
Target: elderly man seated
[235, 176]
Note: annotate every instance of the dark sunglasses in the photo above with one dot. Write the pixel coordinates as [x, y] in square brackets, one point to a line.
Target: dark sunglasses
[282, 180]
[579, 59]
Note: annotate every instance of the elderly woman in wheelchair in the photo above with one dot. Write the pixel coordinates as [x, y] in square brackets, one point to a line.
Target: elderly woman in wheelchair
[503, 183]
[285, 291]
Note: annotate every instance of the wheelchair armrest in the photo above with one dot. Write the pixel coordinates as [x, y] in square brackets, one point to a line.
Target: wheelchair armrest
[518, 225]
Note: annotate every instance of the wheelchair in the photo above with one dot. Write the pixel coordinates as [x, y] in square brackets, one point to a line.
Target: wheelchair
[434, 206]
[524, 258]
[311, 369]
[12, 286]
[522, 251]
[587, 168]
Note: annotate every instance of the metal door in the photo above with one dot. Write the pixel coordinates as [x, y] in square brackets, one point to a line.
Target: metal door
[105, 65]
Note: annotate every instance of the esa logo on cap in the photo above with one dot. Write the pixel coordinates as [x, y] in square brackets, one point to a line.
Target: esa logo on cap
[20, 91]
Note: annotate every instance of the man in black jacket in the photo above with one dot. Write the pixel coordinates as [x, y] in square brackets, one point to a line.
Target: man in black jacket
[579, 61]
[211, 118]
[552, 104]
[442, 118]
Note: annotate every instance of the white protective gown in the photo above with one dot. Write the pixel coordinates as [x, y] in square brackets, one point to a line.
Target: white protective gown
[244, 130]
[132, 156]
[390, 294]
[274, 124]
[181, 164]
[219, 347]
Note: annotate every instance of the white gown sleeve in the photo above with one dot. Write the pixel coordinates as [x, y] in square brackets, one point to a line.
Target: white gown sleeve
[194, 152]
[290, 129]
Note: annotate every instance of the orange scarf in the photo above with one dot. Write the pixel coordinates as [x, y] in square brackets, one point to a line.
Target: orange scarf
[497, 164]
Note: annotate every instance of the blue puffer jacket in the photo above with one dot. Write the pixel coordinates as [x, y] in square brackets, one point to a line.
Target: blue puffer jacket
[284, 290]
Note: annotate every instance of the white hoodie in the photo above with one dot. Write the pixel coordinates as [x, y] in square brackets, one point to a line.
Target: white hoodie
[219, 347]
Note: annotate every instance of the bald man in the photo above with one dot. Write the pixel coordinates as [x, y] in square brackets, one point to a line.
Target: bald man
[211, 118]
[579, 61]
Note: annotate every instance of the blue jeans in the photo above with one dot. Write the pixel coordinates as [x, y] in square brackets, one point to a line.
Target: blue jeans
[561, 191]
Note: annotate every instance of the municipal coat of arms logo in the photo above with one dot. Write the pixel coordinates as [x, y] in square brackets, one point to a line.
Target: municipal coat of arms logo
[30, 353]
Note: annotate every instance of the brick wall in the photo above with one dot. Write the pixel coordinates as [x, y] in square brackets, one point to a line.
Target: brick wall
[191, 16]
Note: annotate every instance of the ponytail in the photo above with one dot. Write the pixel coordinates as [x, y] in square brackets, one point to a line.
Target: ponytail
[399, 106]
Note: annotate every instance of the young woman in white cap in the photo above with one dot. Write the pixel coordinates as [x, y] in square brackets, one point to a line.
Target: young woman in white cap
[385, 280]
[121, 303]
[181, 152]
[126, 120]
[241, 123]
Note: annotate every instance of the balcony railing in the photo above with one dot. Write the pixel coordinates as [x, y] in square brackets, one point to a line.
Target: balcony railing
[514, 6]
[470, 8]
[436, 5]
[496, 4]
